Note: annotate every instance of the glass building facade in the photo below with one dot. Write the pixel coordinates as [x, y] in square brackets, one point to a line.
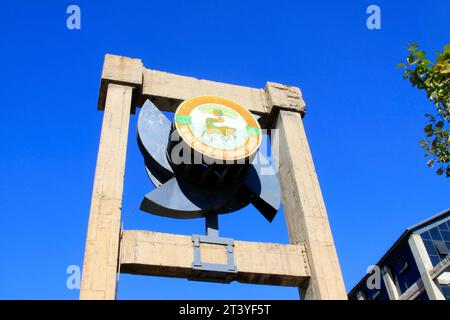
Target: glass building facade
[398, 268]
[437, 243]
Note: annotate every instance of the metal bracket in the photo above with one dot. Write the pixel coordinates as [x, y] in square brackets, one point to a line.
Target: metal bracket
[213, 272]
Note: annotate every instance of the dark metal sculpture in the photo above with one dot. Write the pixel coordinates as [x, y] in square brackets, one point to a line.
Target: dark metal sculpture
[193, 190]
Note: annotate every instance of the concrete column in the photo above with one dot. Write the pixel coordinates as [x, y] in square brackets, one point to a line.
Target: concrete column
[424, 265]
[304, 208]
[102, 243]
[390, 284]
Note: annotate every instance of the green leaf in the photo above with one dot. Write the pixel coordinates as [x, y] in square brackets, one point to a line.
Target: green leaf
[428, 128]
[426, 61]
[434, 79]
[447, 48]
[419, 54]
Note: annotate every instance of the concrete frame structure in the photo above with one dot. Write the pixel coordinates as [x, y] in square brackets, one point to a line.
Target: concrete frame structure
[310, 262]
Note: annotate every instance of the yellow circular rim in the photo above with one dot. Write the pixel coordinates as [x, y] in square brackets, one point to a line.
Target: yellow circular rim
[250, 146]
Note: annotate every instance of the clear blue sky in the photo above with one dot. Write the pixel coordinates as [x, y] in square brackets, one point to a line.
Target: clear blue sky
[363, 122]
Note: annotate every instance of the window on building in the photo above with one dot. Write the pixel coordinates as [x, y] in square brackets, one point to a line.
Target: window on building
[446, 235]
[404, 268]
[446, 290]
[443, 227]
[441, 248]
[437, 242]
[364, 293]
[435, 234]
[435, 259]
[430, 247]
[382, 293]
[404, 271]
[376, 295]
[426, 235]
[423, 296]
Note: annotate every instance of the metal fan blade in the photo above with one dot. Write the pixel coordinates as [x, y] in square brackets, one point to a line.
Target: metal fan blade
[180, 199]
[153, 131]
[153, 177]
[261, 180]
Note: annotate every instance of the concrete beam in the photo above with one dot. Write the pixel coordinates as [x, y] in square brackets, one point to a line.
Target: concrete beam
[440, 268]
[390, 284]
[171, 255]
[413, 292]
[168, 90]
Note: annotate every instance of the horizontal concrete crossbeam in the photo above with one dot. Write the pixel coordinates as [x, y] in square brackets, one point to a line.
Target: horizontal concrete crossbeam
[171, 89]
[171, 255]
[168, 90]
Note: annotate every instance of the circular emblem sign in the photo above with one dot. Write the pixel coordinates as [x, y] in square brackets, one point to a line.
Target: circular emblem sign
[218, 128]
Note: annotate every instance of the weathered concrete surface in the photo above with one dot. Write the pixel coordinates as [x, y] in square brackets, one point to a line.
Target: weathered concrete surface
[171, 255]
[304, 208]
[283, 97]
[168, 90]
[102, 243]
[121, 70]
